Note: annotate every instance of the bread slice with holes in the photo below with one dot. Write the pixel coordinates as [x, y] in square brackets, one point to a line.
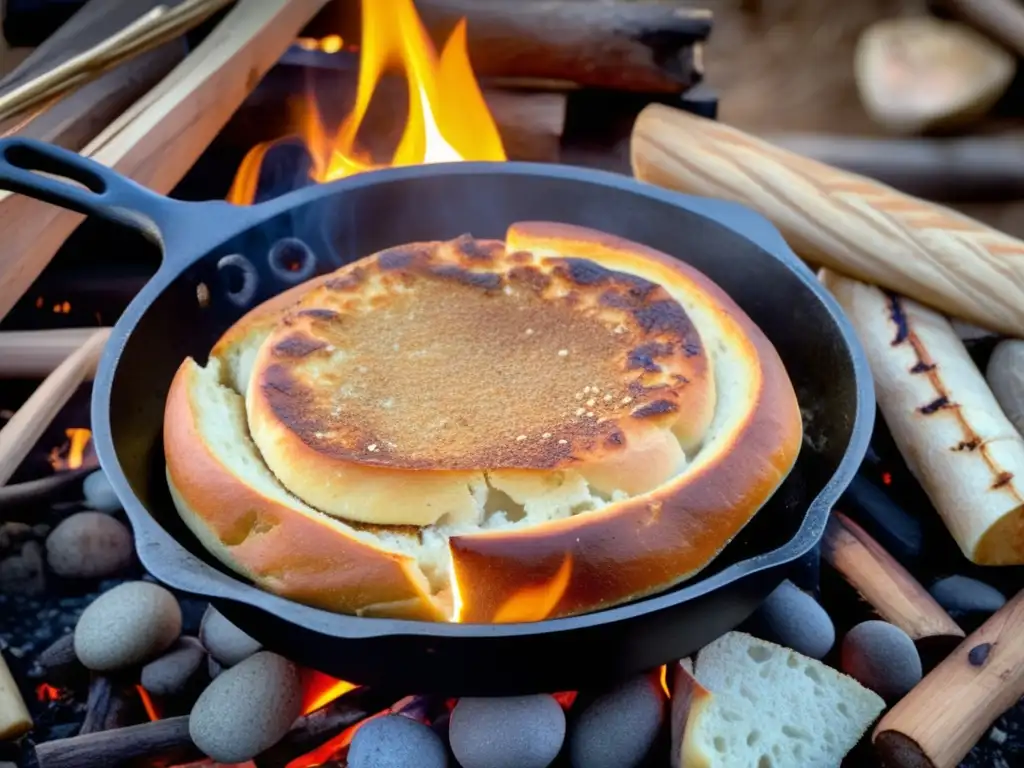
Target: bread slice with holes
[753, 704]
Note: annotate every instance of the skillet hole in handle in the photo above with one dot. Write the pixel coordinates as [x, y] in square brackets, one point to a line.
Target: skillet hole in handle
[28, 158]
[238, 278]
[292, 260]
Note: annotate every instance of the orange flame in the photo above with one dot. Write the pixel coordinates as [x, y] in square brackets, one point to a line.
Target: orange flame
[319, 690]
[537, 601]
[329, 44]
[151, 710]
[47, 693]
[72, 454]
[448, 119]
[663, 677]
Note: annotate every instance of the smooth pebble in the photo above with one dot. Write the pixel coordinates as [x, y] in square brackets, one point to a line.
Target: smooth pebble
[395, 741]
[961, 595]
[619, 727]
[882, 657]
[173, 671]
[225, 642]
[795, 620]
[507, 732]
[1005, 376]
[130, 624]
[247, 709]
[99, 494]
[89, 545]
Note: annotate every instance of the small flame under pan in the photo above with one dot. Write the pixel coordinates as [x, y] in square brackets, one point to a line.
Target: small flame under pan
[221, 260]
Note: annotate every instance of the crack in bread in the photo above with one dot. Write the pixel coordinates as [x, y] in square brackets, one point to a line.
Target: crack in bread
[396, 515]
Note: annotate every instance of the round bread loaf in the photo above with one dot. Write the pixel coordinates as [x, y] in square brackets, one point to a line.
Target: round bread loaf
[482, 431]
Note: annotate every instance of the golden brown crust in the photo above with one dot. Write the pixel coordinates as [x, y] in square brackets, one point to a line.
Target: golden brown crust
[646, 544]
[308, 558]
[465, 356]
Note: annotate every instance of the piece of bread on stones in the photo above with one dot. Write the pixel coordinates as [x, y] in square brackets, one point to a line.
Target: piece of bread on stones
[752, 704]
[566, 408]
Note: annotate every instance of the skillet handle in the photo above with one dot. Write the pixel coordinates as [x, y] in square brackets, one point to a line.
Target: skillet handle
[103, 192]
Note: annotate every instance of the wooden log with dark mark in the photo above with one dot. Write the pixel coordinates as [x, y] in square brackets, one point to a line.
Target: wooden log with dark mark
[950, 170]
[651, 47]
[944, 716]
[887, 586]
[897, 531]
[79, 116]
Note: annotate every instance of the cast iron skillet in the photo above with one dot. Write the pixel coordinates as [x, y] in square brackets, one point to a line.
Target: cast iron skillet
[221, 260]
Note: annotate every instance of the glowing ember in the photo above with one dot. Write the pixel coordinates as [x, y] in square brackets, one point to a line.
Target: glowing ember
[663, 677]
[73, 454]
[536, 602]
[151, 711]
[319, 690]
[565, 698]
[447, 121]
[329, 44]
[47, 693]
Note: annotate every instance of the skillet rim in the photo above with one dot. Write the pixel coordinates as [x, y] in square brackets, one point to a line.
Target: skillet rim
[171, 563]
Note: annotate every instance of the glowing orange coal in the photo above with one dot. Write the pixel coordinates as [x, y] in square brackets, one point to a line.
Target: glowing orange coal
[448, 119]
[535, 602]
[148, 704]
[47, 693]
[75, 452]
[319, 690]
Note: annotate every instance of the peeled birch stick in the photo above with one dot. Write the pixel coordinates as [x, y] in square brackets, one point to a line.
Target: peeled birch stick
[14, 716]
[945, 421]
[942, 718]
[840, 220]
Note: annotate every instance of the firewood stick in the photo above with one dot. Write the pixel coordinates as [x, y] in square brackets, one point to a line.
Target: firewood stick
[967, 169]
[107, 706]
[840, 220]
[31, 420]
[896, 595]
[1002, 20]
[163, 742]
[632, 46]
[942, 718]
[944, 419]
[159, 138]
[14, 717]
[42, 493]
[35, 354]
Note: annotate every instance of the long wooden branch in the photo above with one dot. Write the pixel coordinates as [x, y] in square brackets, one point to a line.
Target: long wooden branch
[159, 138]
[35, 354]
[840, 220]
[14, 716]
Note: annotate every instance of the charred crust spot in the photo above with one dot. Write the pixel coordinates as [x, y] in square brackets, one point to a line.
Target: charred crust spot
[968, 445]
[657, 408]
[347, 281]
[898, 317]
[487, 281]
[1003, 478]
[585, 272]
[615, 300]
[922, 367]
[935, 405]
[664, 316]
[318, 314]
[978, 655]
[473, 249]
[296, 346]
[529, 276]
[690, 349]
[644, 356]
[396, 258]
[520, 257]
[616, 439]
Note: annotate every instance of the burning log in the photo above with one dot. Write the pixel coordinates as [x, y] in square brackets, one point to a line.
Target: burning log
[35, 354]
[161, 135]
[14, 717]
[885, 584]
[25, 427]
[840, 220]
[164, 742]
[967, 169]
[73, 120]
[938, 722]
[945, 421]
[633, 46]
[108, 706]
